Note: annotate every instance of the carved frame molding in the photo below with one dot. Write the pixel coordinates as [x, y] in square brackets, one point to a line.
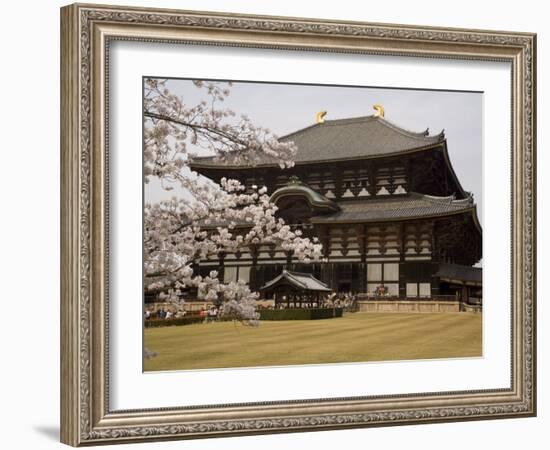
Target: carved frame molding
[86, 31]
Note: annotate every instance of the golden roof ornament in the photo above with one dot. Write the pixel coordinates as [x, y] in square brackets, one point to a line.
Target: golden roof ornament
[379, 110]
[320, 117]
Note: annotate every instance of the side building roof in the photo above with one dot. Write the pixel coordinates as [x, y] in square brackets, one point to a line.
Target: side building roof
[456, 273]
[342, 139]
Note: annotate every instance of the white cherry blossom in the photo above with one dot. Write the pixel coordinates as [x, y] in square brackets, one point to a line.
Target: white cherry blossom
[210, 220]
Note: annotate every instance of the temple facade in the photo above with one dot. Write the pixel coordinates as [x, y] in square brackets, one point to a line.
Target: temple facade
[386, 204]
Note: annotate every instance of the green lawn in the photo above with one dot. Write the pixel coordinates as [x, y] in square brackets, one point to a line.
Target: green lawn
[352, 338]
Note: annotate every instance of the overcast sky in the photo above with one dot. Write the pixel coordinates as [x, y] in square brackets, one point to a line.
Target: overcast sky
[285, 108]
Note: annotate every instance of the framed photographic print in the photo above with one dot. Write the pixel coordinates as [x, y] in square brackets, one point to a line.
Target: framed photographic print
[277, 225]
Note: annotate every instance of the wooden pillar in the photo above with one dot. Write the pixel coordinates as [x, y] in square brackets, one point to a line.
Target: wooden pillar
[338, 183]
[372, 176]
[402, 264]
[334, 275]
[324, 237]
[465, 294]
[391, 180]
[253, 282]
[362, 243]
[270, 182]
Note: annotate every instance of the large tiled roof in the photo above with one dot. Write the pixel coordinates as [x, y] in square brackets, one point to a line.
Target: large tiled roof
[303, 281]
[354, 138]
[467, 274]
[408, 206]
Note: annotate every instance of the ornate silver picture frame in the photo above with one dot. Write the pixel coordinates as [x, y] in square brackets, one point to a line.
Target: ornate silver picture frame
[87, 34]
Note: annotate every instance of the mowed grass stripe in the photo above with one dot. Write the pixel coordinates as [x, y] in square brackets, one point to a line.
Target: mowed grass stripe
[353, 338]
[399, 345]
[217, 350]
[301, 333]
[299, 347]
[302, 329]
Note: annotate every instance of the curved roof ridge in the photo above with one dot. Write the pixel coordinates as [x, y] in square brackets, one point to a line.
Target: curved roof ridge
[413, 134]
[449, 199]
[297, 187]
[302, 274]
[299, 279]
[296, 275]
[436, 198]
[293, 276]
[464, 201]
[301, 130]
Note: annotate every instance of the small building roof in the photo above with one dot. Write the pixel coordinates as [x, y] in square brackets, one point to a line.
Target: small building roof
[301, 281]
[412, 205]
[459, 274]
[341, 139]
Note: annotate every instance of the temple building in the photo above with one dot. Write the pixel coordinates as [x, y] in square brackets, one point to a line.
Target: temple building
[386, 204]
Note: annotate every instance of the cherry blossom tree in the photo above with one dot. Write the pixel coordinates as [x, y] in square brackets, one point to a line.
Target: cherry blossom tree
[206, 220]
